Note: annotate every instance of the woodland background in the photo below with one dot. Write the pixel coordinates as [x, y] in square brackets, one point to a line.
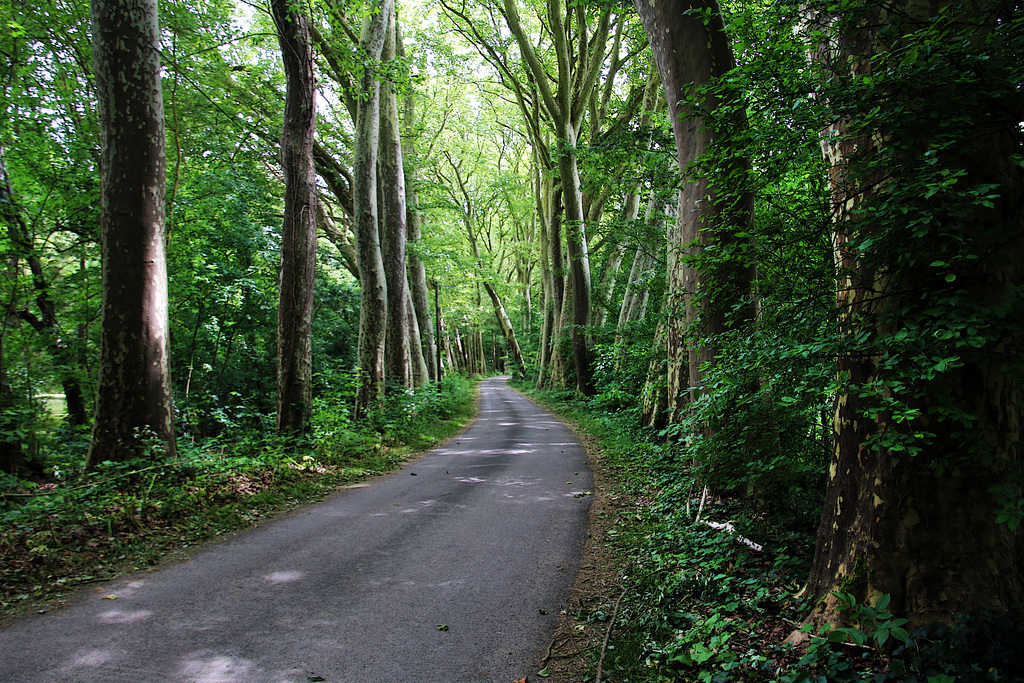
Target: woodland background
[768, 253]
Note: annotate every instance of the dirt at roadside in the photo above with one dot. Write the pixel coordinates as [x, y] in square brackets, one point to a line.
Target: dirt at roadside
[576, 648]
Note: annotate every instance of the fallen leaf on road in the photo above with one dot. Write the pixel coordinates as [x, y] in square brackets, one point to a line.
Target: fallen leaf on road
[110, 597]
[442, 627]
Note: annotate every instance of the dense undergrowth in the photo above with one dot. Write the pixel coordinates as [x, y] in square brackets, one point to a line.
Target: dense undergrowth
[71, 527]
[699, 603]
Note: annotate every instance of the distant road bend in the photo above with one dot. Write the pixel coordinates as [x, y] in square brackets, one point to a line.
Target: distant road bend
[452, 569]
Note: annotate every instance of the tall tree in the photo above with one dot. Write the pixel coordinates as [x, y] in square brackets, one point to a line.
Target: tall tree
[418, 289]
[393, 216]
[692, 49]
[372, 279]
[578, 68]
[133, 399]
[298, 234]
[923, 498]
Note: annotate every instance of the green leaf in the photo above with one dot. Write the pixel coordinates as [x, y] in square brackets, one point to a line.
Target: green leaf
[900, 634]
[837, 636]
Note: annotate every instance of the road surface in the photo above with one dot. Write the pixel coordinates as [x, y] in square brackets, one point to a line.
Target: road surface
[452, 569]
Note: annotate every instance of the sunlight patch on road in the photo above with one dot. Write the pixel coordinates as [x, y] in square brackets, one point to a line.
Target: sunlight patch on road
[503, 451]
[217, 669]
[116, 616]
[405, 583]
[284, 577]
[527, 498]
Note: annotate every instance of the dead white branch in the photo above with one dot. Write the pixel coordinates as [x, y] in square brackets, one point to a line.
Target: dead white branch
[729, 528]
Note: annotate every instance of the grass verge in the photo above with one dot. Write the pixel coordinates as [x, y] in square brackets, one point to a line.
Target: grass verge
[75, 528]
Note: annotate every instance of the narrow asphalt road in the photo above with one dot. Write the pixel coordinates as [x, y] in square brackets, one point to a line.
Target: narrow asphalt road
[452, 569]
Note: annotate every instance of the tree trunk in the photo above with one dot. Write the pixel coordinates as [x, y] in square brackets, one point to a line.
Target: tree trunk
[417, 361]
[566, 106]
[560, 341]
[926, 461]
[509, 332]
[637, 294]
[372, 280]
[579, 259]
[654, 395]
[544, 200]
[634, 299]
[397, 366]
[556, 377]
[691, 49]
[134, 401]
[297, 274]
[416, 267]
[605, 291]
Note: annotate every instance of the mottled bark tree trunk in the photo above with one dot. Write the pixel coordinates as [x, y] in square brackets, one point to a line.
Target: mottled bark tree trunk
[579, 259]
[418, 362]
[654, 395]
[397, 365]
[556, 376]
[691, 49]
[605, 291]
[922, 527]
[547, 290]
[297, 274]
[134, 400]
[637, 294]
[566, 106]
[417, 269]
[634, 299]
[372, 280]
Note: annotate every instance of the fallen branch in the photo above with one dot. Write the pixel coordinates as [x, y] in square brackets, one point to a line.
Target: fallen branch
[728, 527]
[608, 635]
[703, 498]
